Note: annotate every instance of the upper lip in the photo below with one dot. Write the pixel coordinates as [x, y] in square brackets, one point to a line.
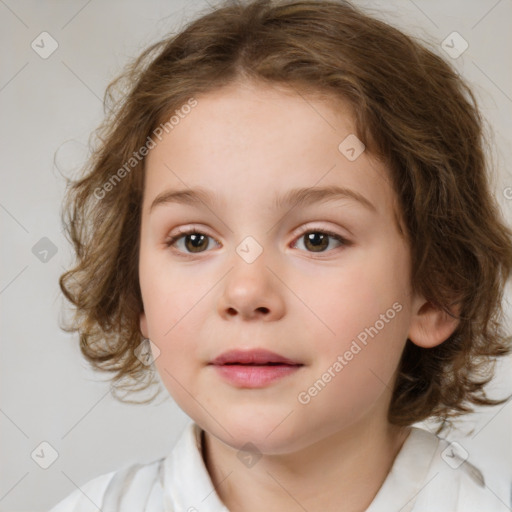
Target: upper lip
[253, 356]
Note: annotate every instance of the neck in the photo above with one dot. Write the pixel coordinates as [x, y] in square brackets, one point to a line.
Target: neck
[341, 472]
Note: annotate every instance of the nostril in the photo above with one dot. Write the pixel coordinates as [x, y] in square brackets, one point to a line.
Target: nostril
[262, 309]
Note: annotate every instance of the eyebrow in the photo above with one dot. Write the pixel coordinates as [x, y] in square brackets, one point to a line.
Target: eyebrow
[293, 198]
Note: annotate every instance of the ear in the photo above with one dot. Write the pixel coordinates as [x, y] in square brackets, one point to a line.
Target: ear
[144, 325]
[430, 325]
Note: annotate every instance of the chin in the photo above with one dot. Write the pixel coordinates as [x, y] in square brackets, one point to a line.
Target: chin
[269, 437]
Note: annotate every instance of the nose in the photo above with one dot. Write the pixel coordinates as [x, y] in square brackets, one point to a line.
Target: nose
[252, 291]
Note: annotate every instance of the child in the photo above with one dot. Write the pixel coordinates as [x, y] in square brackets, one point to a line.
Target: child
[291, 203]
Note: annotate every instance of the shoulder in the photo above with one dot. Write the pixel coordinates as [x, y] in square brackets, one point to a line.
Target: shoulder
[430, 473]
[85, 497]
[457, 483]
[172, 482]
[134, 484]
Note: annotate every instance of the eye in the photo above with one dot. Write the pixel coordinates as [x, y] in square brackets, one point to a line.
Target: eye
[194, 240]
[316, 240]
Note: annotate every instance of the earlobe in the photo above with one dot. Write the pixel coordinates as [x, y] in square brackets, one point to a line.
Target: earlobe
[143, 325]
[431, 326]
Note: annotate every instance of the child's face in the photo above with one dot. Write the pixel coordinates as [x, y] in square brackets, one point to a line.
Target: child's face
[305, 298]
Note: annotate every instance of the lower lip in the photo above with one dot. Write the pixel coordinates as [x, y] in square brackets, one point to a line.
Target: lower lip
[254, 376]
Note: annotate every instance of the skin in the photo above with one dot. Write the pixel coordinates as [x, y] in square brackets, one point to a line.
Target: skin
[247, 142]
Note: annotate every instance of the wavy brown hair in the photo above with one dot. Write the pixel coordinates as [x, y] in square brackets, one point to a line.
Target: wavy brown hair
[413, 112]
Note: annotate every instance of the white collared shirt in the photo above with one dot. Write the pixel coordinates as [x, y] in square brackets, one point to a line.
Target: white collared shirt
[429, 474]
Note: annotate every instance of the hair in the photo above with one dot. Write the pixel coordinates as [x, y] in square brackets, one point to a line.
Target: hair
[412, 111]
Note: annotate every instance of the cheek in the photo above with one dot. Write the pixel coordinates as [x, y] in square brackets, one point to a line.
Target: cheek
[343, 304]
[169, 296]
[362, 317]
[174, 320]
[355, 367]
[176, 302]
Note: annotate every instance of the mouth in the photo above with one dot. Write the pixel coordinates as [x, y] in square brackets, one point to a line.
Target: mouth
[261, 364]
[253, 369]
[254, 357]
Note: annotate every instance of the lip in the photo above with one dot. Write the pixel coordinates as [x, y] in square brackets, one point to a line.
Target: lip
[256, 356]
[255, 368]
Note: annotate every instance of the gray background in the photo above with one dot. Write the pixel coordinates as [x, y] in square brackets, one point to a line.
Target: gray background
[47, 392]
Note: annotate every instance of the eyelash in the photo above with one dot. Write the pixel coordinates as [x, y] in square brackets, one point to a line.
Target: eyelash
[172, 240]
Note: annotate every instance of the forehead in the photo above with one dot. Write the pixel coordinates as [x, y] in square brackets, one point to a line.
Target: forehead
[249, 143]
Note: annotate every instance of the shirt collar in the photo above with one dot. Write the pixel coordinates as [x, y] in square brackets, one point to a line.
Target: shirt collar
[187, 484]
[186, 481]
[408, 474]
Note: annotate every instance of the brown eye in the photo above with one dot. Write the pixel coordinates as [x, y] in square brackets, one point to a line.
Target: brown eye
[193, 241]
[319, 240]
[196, 242]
